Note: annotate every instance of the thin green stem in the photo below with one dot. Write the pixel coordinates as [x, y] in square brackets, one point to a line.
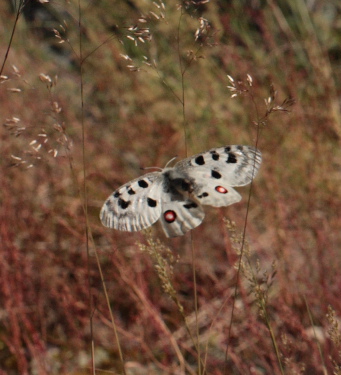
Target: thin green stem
[85, 194]
[182, 75]
[313, 325]
[183, 105]
[20, 9]
[240, 259]
[195, 293]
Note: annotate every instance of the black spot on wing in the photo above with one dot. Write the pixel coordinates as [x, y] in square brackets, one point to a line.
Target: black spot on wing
[131, 191]
[190, 205]
[231, 158]
[151, 202]
[215, 155]
[116, 194]
[123, 204]
[200, 160]
[203, 195]
[227, 149]
[215, 174]
[143, 183]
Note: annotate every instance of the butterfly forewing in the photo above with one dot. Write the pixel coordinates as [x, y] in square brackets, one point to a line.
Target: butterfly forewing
[215, 172]
[236, 164]
[135, 205]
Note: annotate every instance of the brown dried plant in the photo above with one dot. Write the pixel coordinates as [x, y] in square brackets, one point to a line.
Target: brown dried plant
[131, 119]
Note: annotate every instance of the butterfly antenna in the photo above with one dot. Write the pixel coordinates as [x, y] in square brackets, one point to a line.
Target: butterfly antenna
[175, 157]
[144, 168]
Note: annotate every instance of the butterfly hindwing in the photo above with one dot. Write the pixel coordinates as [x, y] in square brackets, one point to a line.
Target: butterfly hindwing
[180, 216]
[219, 195]
[135, 205]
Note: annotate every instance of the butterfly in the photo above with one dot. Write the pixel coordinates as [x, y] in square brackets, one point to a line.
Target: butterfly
[175, 195]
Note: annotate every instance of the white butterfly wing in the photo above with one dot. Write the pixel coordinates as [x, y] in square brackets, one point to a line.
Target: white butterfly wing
[213, 173]
[175, 195]
[180, 216]
[135, 205]
[221, 195]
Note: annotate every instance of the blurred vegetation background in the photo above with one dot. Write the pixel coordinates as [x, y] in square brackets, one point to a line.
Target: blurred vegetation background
[93, 91]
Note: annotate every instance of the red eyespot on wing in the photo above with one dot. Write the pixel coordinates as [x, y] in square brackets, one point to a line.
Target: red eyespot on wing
[170, 216]
[221, 189]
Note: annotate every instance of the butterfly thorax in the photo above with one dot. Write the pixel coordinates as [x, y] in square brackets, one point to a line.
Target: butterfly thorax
[177, 183]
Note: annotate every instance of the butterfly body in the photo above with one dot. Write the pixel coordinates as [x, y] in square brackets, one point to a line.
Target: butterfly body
[175, 195]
